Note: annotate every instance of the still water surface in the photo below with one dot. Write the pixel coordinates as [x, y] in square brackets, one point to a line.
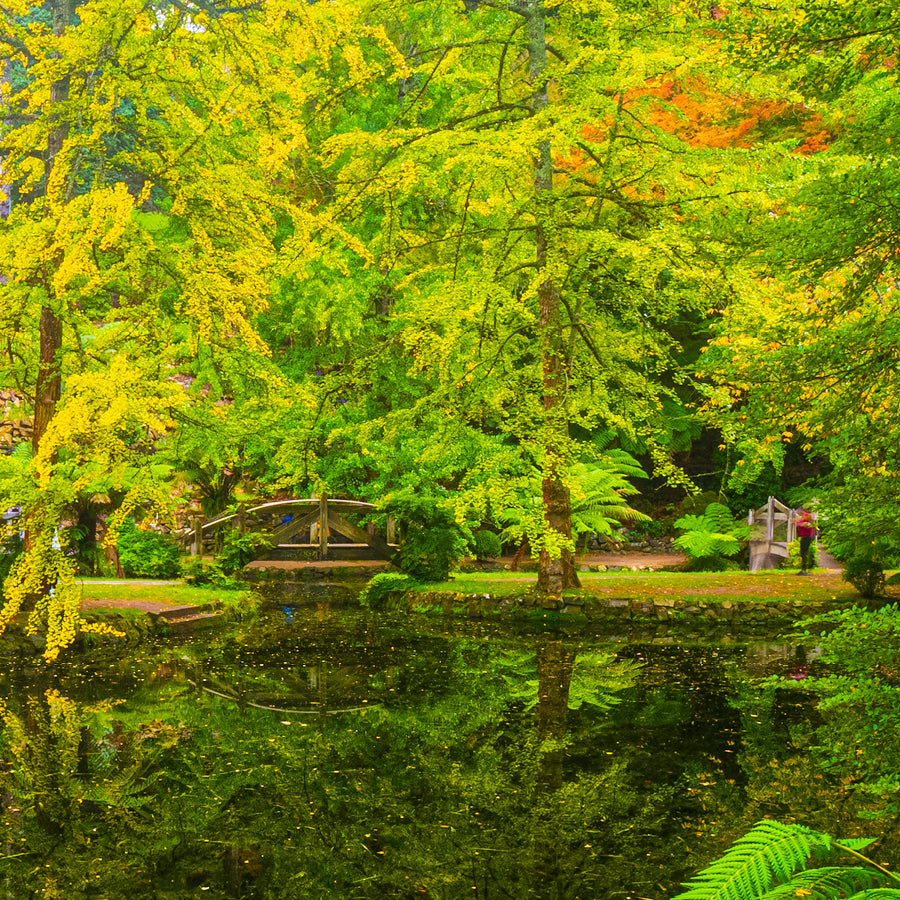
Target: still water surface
[335, 754]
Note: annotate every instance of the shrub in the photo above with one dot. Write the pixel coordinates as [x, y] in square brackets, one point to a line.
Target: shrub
[148, 554]
[200, 572]
[381, 586]
[793, 557]
[432, 540]
[657, 528]
[866, 573]
[239, 549]
[487, 545]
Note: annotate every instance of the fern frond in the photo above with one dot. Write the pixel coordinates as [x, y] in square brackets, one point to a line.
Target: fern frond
[827, 883]
[769, 853]
[700, 544]
[23, 452]
[721, 515]
[880, 893]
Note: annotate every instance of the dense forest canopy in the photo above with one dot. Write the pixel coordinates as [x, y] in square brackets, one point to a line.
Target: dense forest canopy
[463, 259]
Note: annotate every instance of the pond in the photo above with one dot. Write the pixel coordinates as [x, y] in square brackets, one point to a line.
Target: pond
[318, 753]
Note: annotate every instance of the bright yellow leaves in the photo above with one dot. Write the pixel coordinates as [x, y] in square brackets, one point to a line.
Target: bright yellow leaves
[92, 224]
[103, 412]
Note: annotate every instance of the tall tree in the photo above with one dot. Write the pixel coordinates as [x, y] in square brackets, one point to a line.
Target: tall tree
[533, 228]
[140, 244]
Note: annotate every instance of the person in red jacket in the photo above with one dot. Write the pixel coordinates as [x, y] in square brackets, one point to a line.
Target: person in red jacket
[806, 531]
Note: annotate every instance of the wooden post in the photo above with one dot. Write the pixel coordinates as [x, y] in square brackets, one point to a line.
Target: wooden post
[323, 527]
[770, 520]
[241, 519]
[391, 530]
[197, 546]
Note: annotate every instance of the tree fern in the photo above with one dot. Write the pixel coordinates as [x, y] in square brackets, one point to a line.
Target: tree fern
[598, 492]
[715, 533]
[770, 863]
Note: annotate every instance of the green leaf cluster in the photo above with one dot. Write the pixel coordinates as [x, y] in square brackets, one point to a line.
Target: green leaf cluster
[146, 553]
[773, 860]
[381, 586]
[713, 535]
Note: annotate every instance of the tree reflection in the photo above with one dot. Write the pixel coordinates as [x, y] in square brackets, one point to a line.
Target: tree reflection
[476, 767]
[555, 662]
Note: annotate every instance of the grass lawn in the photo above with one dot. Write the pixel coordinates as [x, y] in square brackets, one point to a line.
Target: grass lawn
[693, 586]
[172, 594]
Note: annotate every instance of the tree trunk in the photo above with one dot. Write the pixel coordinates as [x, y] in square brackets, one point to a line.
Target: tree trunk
[48, 383]
[48, 386]
[556, 573]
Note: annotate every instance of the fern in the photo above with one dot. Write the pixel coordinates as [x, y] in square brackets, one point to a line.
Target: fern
[598, 493]
[23, 452]
[715, 533]
[770, 863]
[768, 854]
[877, 894]
[380, 587]
[828, 883]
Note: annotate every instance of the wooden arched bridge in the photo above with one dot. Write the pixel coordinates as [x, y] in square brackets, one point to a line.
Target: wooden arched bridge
[310, 528]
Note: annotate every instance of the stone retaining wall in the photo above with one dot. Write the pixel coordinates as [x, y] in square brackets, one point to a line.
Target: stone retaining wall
[601, 607]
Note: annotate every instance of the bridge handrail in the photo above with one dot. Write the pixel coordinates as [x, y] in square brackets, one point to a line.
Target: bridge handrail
[358, 504]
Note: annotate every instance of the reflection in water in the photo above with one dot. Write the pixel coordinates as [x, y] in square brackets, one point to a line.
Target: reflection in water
[357, 757]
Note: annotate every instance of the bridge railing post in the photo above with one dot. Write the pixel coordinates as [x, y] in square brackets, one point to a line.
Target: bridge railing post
[197, 544]
[323, 526]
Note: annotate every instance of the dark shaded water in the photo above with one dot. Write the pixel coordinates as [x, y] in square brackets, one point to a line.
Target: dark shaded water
[356, 755]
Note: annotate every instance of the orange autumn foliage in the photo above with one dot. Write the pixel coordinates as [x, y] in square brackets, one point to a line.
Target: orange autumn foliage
[703, 117]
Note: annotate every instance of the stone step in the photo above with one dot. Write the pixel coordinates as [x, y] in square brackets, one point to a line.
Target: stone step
[175, 613]
[181, 619]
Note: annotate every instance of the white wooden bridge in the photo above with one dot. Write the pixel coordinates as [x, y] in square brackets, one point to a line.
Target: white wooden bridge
[314, 527]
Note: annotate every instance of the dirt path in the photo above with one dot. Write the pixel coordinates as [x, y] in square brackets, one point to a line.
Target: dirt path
[628, 560]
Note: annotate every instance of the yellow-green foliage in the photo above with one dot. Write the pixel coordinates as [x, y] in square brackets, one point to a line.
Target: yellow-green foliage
[143, 249]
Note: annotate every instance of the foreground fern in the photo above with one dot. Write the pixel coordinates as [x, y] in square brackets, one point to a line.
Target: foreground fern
[771, 863]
